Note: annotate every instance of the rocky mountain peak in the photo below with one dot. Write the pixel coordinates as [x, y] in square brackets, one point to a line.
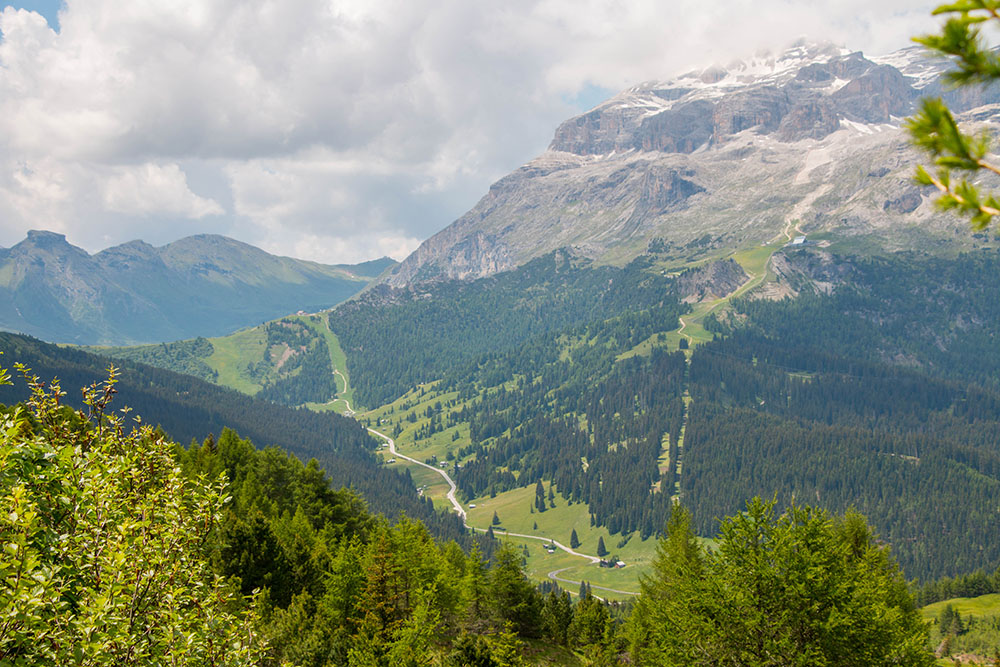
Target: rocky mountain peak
[725, 156]
[813, 86]
[40, 238]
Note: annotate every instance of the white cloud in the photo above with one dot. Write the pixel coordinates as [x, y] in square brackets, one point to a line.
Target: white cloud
[336, 129]
[155, 189]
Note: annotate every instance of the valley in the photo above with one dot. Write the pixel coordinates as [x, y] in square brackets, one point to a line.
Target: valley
[712, 335]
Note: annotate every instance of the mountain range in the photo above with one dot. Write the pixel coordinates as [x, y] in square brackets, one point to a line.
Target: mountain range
[810, 141]
[593, 326]
[134, 293]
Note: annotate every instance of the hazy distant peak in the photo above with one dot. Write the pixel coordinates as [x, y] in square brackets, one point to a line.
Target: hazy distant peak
[40, 238]
[134, 292]
[40, 235]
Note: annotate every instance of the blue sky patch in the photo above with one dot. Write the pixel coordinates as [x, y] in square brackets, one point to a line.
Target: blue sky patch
[47, 8]
[588, 97]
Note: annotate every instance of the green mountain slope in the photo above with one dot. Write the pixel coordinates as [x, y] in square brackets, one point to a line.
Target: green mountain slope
[293, 360]
[198, 286]
[189, 409]
[880, 395]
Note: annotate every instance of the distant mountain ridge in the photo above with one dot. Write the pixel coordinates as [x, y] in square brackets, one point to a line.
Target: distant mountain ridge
[136, 293]
[717, 160]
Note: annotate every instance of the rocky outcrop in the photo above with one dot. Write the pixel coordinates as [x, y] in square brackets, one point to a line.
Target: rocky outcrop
[661, 191]
[876, 96]
[453, 255]
[711, 281]
[812, 119]
[682, 129]
[760, 107]
[905, 203]
[599, 132]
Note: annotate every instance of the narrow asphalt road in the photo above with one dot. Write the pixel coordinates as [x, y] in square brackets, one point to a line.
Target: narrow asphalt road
[451, 483]
[461, 512]
[554, 574]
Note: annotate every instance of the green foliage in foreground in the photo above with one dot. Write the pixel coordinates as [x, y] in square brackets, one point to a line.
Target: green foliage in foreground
[120, 551]
[934, 128]
[802, 588]
[107, 545]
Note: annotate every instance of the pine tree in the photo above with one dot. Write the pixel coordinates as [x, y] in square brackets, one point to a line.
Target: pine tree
[475, 589]
[505, 648]
[381, 598]
[557, 614]
[590, 618]
[574, 541]
[601, 549]
[540, 496]
[496, 519]
[513, 598]
[772, 593]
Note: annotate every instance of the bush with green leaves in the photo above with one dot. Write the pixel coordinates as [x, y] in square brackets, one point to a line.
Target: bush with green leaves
[958, 155]
[106, 544]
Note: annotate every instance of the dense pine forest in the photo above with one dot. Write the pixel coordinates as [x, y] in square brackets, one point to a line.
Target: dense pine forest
[453, 329]
[847, 399]
[862, 398]
[221, 553]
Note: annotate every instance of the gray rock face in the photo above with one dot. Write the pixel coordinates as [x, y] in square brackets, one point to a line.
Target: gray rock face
[728, 157]
[466, 257]
[803, 94]
[679, 130]
[875, 96]
[713, 280]
[905, 203]
[809, 119]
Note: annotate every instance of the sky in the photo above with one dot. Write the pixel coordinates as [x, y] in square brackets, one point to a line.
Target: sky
[337, 130]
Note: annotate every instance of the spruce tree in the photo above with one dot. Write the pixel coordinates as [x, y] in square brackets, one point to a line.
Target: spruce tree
[513, 598]
[574, 541]
[557, 614]
[776, 591]
[475, 588]
[602, 551]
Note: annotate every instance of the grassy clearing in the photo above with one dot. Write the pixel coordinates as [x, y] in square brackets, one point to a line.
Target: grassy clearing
[408, 415]
[984, 605]
[513, 507]
[338, 360]
[230, 357]
[434, 485]
[981, 636]
[514, 510]
[756, 262]
[539, 563]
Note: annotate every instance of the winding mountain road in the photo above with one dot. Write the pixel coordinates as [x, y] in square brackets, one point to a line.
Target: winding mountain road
[461, 512]
[554, 574]
[451, 483]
